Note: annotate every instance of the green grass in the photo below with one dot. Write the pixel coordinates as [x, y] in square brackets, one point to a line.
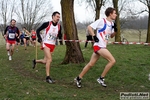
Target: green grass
[18, 81]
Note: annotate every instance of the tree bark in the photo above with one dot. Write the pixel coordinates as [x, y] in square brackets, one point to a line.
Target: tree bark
[97, 9]
[99, 4]
[117, 36]
[73, 50]
[148, 30]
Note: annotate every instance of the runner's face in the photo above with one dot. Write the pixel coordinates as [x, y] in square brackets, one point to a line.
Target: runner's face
[56, 18]
[13, 23]
[113, 15]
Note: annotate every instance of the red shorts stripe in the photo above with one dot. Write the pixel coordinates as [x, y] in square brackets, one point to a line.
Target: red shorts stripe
[97, 48]
[51, 47]
[11, 41]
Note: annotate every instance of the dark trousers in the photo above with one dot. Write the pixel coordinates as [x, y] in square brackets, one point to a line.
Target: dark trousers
[88, 38]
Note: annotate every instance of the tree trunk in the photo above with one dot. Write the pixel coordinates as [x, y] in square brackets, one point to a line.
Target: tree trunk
[117, 36]
[73, 50]
[148, 30]
[97, 9]
[99, 4]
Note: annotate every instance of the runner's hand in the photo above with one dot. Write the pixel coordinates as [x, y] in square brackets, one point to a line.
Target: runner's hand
[39, 40]
[5, 36]
[115, 27]
[16, 35]
[41, 46]
[95, 39]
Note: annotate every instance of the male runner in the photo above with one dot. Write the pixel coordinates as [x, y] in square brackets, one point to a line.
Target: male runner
[10, 34]
[105, 29]
[51, 31]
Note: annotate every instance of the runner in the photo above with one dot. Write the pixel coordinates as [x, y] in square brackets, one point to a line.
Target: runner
[52, 29]
[26, 37]
[105, 29]
[17, 42]
[10, 34]
[33, 37]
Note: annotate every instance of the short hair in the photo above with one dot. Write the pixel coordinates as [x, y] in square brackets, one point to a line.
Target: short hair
[12, 20]
[24, 27]
[109, 11]
[54, 13]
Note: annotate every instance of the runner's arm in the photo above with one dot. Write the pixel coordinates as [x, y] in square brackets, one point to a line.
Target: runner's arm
[5, 32]
[90, 29]
[92, 33]
[43, 26]
[59, 33]
[115, 30]
[18, 33]
[28, 33]
[113, 34]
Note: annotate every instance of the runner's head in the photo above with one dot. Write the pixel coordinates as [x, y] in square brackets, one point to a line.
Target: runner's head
[32, 30]
[24, 28]
[13, 22]
[56, 16]
[111, 13]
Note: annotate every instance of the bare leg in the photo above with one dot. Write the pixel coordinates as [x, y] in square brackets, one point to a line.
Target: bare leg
[108, 56]
[12, 49]
[34, 43]
[43, 61]
[48, 60]
[25, 43]
[8, 48]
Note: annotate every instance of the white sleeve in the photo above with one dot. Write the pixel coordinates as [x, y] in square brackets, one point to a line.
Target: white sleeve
[98, 24]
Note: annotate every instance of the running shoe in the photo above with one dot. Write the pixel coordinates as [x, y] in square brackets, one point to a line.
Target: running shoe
[10, 58]
[34, 63]
[78, 82]
[101, 81]
[8, 53]
[49, 80]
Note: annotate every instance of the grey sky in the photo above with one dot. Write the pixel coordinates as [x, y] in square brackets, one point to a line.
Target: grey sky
[82, 14]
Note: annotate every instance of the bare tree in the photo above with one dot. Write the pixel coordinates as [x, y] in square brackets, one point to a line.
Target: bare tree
[32, 12]
[95, 5]
[6, 13]
[117, 37]
[147, 3]
[73, 50]
[121, 7]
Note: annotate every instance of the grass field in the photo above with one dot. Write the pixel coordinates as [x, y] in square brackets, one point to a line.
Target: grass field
[18, 81]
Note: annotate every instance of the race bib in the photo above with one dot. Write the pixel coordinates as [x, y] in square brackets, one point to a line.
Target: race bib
[51, 37]
[11, 35]
[107, 37]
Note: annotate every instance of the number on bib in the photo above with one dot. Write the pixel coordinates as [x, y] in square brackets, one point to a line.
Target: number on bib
[11, 35]
[107, 37]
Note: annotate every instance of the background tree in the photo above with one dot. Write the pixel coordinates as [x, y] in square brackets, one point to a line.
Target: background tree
[117, 37]
[96, 5]
[122, 9]
[147, 4]
[32, 12]
[6, 13]
[73, 50]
